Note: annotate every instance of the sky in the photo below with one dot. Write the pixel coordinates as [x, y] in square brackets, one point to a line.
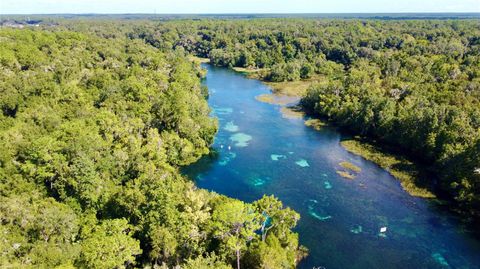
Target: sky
[235, 6]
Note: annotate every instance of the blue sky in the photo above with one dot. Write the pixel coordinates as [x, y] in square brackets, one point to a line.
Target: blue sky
[235, 6]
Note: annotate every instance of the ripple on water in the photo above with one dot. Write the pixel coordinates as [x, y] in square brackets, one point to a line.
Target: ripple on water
[241, 139]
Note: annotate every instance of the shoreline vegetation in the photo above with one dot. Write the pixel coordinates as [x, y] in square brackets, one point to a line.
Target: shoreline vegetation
[414, 86]
[405, 171]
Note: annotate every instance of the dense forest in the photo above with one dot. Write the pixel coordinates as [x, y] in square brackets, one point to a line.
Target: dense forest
[98, 116]
[93, 131]
[413, 84]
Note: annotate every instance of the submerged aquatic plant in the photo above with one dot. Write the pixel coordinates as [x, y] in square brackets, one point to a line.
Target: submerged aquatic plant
[240, 139]
[357, 229]
[440, 259]
[316, 212]
[276, 157]
[231, 127]
[302, 163]
[228, 158]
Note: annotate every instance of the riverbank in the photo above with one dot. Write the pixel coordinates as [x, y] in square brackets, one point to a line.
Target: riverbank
[285, 93]
[286, 158]
[399, 167]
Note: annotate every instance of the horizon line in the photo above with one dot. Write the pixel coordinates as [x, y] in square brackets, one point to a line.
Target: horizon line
[250, 13]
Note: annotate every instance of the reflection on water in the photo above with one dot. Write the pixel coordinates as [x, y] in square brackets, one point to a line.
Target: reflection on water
[260, 152]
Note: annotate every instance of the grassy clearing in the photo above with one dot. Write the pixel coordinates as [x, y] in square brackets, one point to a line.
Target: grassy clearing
[294, 88]
[247, 71]
[399, 167]
[350, 166]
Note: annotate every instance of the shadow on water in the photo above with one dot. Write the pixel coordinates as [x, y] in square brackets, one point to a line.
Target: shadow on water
[257, 152]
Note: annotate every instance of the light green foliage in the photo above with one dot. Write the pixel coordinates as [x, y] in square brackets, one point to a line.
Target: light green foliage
[235, 224]
[205, 263]
[108, 245]
[93, 131]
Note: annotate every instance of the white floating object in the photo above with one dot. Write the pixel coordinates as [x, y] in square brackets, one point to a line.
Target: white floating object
[221, 146]
[383, 229]
[229, 148]
[477, 170]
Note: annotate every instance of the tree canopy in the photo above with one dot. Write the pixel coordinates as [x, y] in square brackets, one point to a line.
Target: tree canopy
[93, 131]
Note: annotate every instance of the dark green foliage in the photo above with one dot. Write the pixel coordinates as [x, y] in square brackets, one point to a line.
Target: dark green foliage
[93, 130]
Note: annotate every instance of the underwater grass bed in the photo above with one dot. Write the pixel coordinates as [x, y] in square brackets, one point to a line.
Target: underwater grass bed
[400, 168]
[241, 139]
[275, 99]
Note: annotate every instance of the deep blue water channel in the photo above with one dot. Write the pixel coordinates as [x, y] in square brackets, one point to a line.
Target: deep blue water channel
[260, 152]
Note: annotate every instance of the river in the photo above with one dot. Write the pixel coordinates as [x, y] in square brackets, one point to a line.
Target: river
[261, 152]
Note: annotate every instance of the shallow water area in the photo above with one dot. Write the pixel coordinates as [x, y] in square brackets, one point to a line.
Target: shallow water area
[340, 218]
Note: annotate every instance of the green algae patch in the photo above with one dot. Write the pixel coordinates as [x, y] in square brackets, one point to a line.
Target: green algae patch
[276, 157]
[315, 124]
[241, 139]
[302, 163]
[231, 127]
[402, 169]
[293, 112]
[350, 166]
[275, 99]
[346, 174]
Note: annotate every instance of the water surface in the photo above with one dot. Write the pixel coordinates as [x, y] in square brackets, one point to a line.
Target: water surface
[261, 152]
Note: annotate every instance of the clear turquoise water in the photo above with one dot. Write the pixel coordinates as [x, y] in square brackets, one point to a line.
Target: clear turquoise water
[259, 152]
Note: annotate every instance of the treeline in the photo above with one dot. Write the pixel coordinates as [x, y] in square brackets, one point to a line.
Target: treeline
[413, 84]
[92, 131]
